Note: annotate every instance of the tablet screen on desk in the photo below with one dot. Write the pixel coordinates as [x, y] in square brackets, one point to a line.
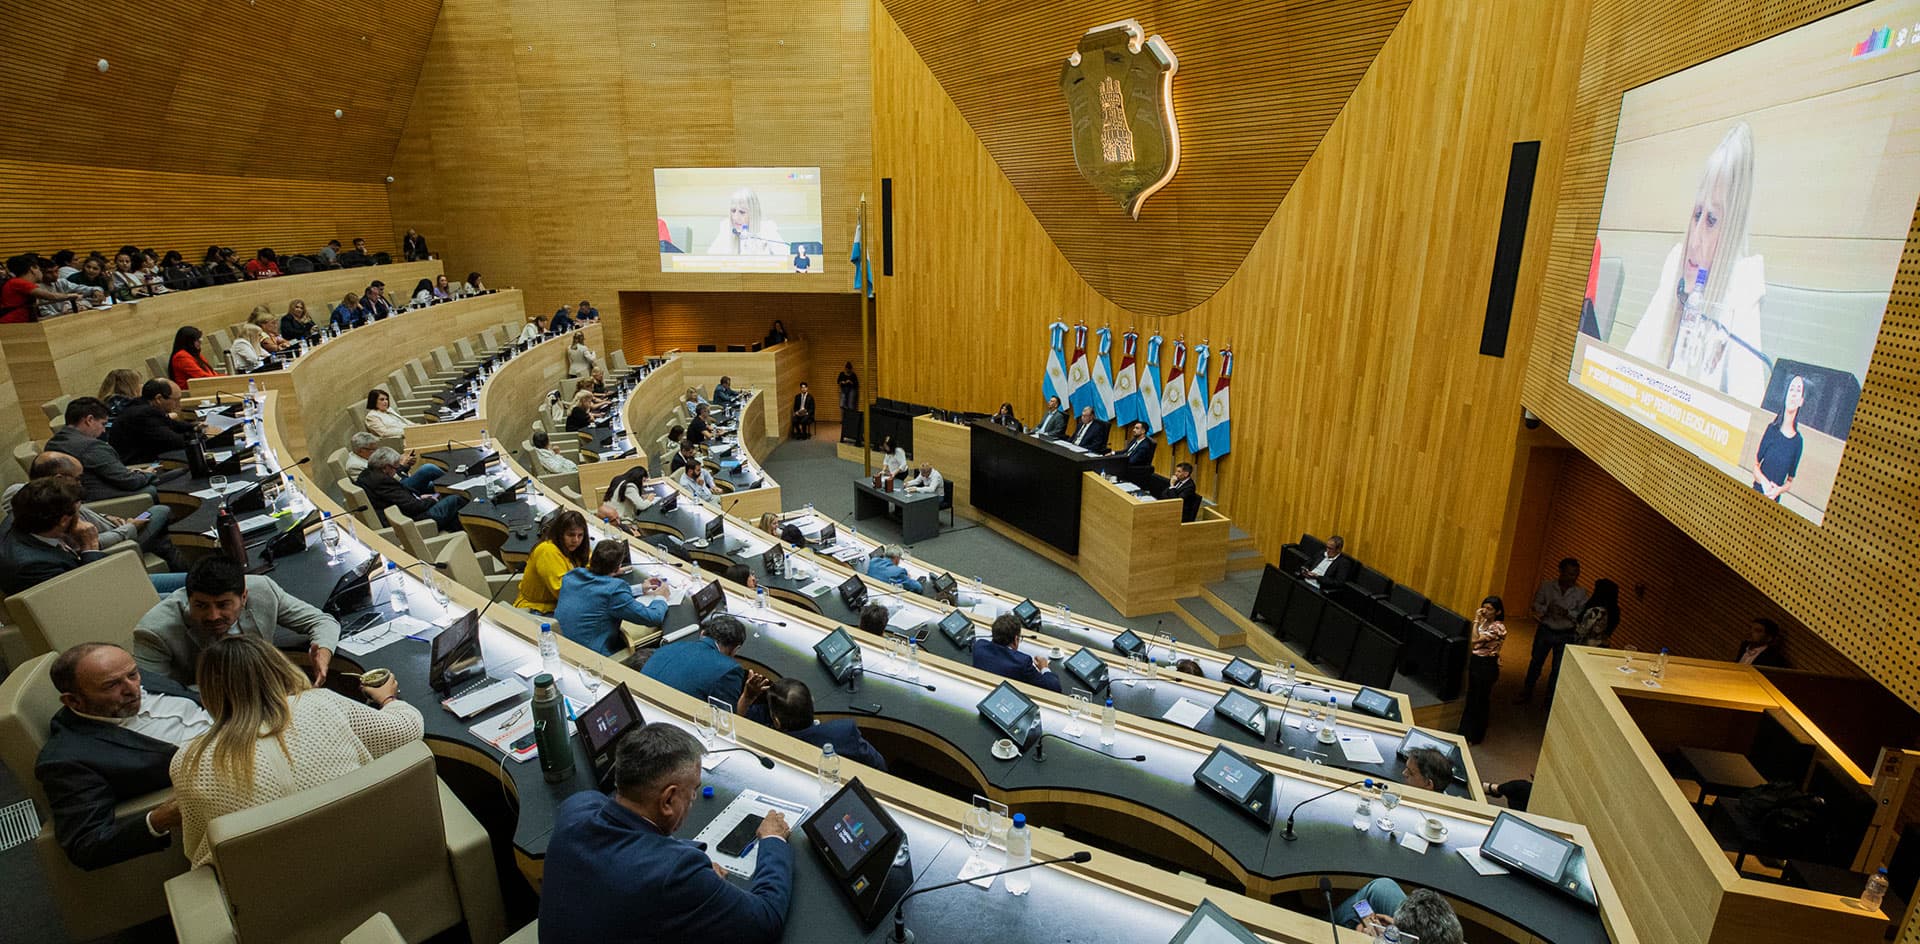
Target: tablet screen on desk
[1242, 673]
[835, 649]
[1417, 738]
[1013, 713]
[1127, 643]
[1027, 613]
[1210, 925]
[456, 651]
[957, 628]
[1090, 669]
[1516, 843]
[602, 724]
[944, 584]
[1376, 703]
[1242, 709]
[849, 827]
[826, 537]
[853, 592]
[707, 599]
[716, 526]
[1234, 777]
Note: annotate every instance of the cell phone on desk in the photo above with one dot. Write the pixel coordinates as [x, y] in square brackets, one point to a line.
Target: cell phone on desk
[736, 842]
[526, 741]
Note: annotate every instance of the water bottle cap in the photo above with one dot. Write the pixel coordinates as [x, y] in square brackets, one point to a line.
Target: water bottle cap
[546, 627]
[1109, 703]
[392, 566]
[1882, 871]
[1019, 820]
[826, 750]
[707, 792]
[325, 515]
[1369, 782]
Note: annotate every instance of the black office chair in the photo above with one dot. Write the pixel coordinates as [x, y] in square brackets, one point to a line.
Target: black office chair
[1436, 651]
[1402, 606]
[1297, 555]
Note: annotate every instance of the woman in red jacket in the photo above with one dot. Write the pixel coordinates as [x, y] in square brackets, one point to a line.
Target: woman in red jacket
[187, 362]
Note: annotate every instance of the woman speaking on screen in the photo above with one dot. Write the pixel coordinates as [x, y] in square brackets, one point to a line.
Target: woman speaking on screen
[746, 232]
[1703, 321]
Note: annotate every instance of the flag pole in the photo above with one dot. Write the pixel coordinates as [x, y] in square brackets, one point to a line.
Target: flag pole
[866, 355]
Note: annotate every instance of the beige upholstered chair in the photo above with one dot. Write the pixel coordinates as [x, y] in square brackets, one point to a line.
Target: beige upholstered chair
[353, 496]
[103, 901]
[378, 929]
[99, 602]
[56, 408]
[389, 837]
[617, 365]
[414, 536]
[24, 454]
[157, 368]
[335, 464]
[469, 569]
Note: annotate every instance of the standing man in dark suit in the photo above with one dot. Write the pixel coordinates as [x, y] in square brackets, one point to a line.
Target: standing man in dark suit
[790, 703]
[1181, 487]
[1091, 434]
[48, 536]
[703, 666]
[615, 872]
[147, 429]
[802, 413]
[1001, 655]
[102, 474]
[1333, 569]
[1139, 453]
[1053, 421]
[111, 741]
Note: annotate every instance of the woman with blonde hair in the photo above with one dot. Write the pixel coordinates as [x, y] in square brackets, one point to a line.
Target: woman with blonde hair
[274, 735]
[580, 359]
[1703, 321]
[746, 232]
[270, 339]
[582, 413]
[248, 351]
[120, 389]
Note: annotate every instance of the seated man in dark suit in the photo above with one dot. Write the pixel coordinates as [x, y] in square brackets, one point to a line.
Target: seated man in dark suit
[111, 741]
[1053, 422]
[148, 528]
[1181, 487]
[802, 413]
[103, 475]
[703, 666]
[791, 705]
[147, 429]
[385, 488]
[1333, 569]
[1001, 655]
[48, 536]
[723, 392]
[1091, 434]
[615, 872]
[1139, 453]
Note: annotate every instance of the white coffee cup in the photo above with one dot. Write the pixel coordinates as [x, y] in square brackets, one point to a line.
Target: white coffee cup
[1435, 830]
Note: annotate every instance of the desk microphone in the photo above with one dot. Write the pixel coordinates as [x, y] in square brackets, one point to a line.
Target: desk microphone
[867, 671]
[498, 590]
[1040, 749]
[764, 760]
[756, 619]
[1326, 891]
[903, 936]
[1288, 834]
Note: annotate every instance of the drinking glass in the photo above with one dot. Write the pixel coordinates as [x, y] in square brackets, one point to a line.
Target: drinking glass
[438, 584]
[1166, 642]
[1313, 716]
[707, 729]
[722, 720]
[973, 825]
[219, 483]
[1626, 659]
[1388, 799]
[1076, 710]
[591, 677]
[1136, 667]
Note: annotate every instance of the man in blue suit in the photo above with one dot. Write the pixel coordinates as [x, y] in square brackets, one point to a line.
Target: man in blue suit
[703, 666]
[791, 703]
[884, 566]
[615, 874]
[1001, 655]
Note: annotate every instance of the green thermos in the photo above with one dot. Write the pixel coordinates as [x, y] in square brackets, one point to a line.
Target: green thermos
[550, 729]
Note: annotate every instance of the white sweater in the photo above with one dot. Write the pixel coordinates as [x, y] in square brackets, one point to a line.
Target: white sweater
[330, 735]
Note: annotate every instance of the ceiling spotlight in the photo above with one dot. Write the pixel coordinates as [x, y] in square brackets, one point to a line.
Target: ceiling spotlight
[389, 178]
[101, 65]
[337, 113]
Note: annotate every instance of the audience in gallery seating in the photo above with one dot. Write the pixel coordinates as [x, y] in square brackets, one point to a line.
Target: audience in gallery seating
[1422, 915]
[330, 252]
[221, 600]
[374, 301]
[562, 547]
[1000, 654]
[103, 474]
[802, 414]
[386, 489]
[22, 295]
[127, 280]
[413, 246]
[147, 529]
[423, 294]
[221, 267]
[548, 462]
[248, 351]
[274, 734]
[47, 536]
[381, 420]
[703, 666]
[790, 707]
[1181, 486]
[474, 285]
[777, 334]
[143, 273]
[297, 324]
[442, 291]
[148, 428]
[594, 600]
[360, 448]
[265, 264]
[120, 389]
[112, 741]
[884, 566]
[613, 866]
[186, 362]
[1765, 645]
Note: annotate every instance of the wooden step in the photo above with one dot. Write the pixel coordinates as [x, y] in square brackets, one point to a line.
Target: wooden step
[1248, 559]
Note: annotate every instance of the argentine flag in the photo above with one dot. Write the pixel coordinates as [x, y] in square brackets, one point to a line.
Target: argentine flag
[1080, 392]
[1219, 415]
[1150, 386]
[1053, 381]
[1173, 399]
[1126, 383]
[1197, 400]
[1103, 375]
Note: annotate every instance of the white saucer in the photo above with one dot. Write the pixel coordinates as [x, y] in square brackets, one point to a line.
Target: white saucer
[1005, 751]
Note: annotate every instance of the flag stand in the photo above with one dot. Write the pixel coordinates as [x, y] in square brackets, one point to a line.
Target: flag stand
[866, 354]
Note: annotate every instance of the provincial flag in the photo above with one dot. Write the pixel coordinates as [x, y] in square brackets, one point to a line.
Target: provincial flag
[861, 268]
[1173, 398]
[1197, 400]
[1126, 385]
[1219, 413]
[1080, 392]
[1103, 375]
[1150, 386]
[1053, 382]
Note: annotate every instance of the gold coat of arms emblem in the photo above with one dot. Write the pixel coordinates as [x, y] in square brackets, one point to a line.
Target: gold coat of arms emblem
[1119, 89]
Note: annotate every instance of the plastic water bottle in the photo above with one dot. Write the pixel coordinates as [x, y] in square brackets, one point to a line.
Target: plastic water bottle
[1659, 670]
[1066, 616]
[1153, 674]
[913, 661]
[486, 443]
[1876, 890]
[1109, 719]
[396, 591]
[1363, 811]
[549, 650]
[1293, 675]
[828, 773]
[330, 536]
[761, 592]
[1019, 853]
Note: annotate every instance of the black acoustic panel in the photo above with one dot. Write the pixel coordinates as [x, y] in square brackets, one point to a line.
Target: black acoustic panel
[886, 225]
[1506, 252]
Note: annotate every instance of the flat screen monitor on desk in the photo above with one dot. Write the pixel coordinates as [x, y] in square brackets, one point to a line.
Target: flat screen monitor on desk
[853, 592]
[858, 841]
[1242, 673]
[1244, 710]
[944, 586]
[1533, 851]
[957, 628]
[1089, 669]
[511, 493]
[603, 724]
[715, 530]
[456, 653]
[1376, 703]
[1240, 782]
[1027, 614]
[1417, 738]
[839, 654]
[828, 536]
[1014, 714]
[1128, 644]
[671, 502]
[1210, 925]
[708, 599]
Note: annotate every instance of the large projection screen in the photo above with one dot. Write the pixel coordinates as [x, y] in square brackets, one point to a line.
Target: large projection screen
[739, 219]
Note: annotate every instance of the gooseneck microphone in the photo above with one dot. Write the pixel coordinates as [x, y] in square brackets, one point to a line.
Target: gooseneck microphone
[502, 588]
[764, 760]
[901, 935]
[1326, 891]
[866, 671]
[1288, 834]
[1040, 752]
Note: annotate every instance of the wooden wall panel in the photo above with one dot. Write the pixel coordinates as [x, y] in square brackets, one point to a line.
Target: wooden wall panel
[1850, 581]
[1259, 84]
[830, 324]
[1673, 592]
[530, 146]
[13, 428]
[1363, 405]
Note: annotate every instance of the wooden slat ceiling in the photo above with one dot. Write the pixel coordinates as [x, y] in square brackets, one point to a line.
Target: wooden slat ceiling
[216, 87]
[1259, 83]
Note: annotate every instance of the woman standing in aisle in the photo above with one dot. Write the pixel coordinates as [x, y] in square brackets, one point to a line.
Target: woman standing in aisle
[1483, 667]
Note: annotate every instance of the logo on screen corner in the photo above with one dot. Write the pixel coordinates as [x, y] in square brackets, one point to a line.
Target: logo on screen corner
[1118, 84]
[1882, 39]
